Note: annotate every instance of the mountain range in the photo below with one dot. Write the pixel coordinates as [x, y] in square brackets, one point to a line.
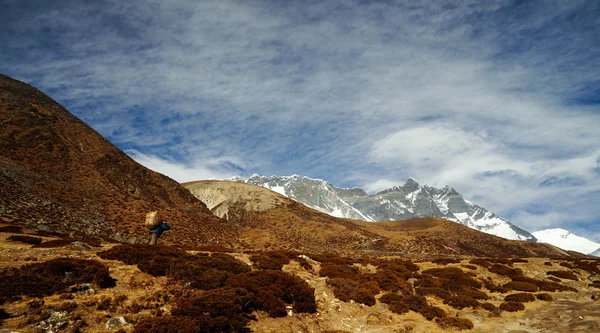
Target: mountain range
[568, 241]
[411, 200]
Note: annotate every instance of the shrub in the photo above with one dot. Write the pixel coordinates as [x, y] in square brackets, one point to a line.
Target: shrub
[395, 302]
[415, 303]
[455, 323]
[25, 239]
[595, 284]
[544, 297]
[222, 310]
[521, 286]
[460, 302]
[453, 278]
[547, 263]
[567, 265]
[431, 312]
[471, 267]
[201, 271]
[502, 261]
[512, 306]
[588, 266]
[3, 315]
[489, 306]
[348, 289]
[554, 286]
[438, 292]
[53, 276]
[11, 229]
[520, 297]
[563, 275]
[474, 293]
[329, 257]
[480, 262]
[333, 270]
[406, 268]
[274, 289]
[271, 260]
[389, 280]
[506, 271]
[91, 241]
[552, 278]
[491, 286]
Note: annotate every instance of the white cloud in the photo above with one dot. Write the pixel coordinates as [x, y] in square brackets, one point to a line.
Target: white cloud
[181, 172]
[358, 94]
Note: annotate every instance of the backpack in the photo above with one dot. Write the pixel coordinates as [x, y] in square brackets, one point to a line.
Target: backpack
[152, 220]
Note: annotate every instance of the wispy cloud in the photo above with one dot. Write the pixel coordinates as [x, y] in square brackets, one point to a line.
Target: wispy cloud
[492, 97]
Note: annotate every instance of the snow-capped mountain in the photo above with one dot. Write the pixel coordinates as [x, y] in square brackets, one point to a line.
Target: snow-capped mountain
[568, 241]
[408, 201]
[595, 253]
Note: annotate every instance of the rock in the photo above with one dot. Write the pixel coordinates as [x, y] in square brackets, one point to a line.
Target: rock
[115, 322]
[86, 289]
[81, 245]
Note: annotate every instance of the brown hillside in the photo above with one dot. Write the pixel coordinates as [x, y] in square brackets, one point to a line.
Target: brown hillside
[58, 174]
[271, 220]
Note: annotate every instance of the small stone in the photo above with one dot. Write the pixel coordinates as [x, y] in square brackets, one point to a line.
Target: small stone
[115, 322]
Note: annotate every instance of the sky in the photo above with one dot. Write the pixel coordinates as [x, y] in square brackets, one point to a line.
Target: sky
[498, 99]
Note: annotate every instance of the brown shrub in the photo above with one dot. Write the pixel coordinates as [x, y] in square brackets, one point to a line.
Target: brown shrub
[415, 303]
[520, 297]
[25, 239]
[11, 229]
[438, 292]
[333, 271]
[544, 297]
[389, 280]
[506, 271]
[222, 310]
[431, 312]
[348, 289]
[521, 286]
[271, 260]
[471, 267]
[547, 263]
[512, 306]
[456, 323]
[406, 268]
[489, 306]
[201, 271]
[563, 275]
[588, 266]
[595, 284]
[567, 265]
[91, 241]
[53, 276]
[272, 290]
[554, 286]
[502, 261]
[460, 302]
[480, 262]
[453, 278]
[3, 315]
[474, 293]
[395, 302]
[552, 278]
[491, 286]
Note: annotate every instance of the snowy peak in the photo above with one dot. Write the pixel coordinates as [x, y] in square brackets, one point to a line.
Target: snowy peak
[407, 201]
[567, 240]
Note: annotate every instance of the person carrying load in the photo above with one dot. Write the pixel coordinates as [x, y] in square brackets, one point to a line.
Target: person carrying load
[157, 225]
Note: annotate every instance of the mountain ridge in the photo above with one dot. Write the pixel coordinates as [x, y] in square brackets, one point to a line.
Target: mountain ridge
[567, 240]
[401, 202]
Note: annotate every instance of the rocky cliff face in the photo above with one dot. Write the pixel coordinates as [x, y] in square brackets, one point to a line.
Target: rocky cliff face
[408, 201]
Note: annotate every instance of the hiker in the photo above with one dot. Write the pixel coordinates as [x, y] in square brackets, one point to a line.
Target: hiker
[158, 231]
[157, 225]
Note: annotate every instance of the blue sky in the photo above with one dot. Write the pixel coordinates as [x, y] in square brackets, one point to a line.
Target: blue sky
[499, 99]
